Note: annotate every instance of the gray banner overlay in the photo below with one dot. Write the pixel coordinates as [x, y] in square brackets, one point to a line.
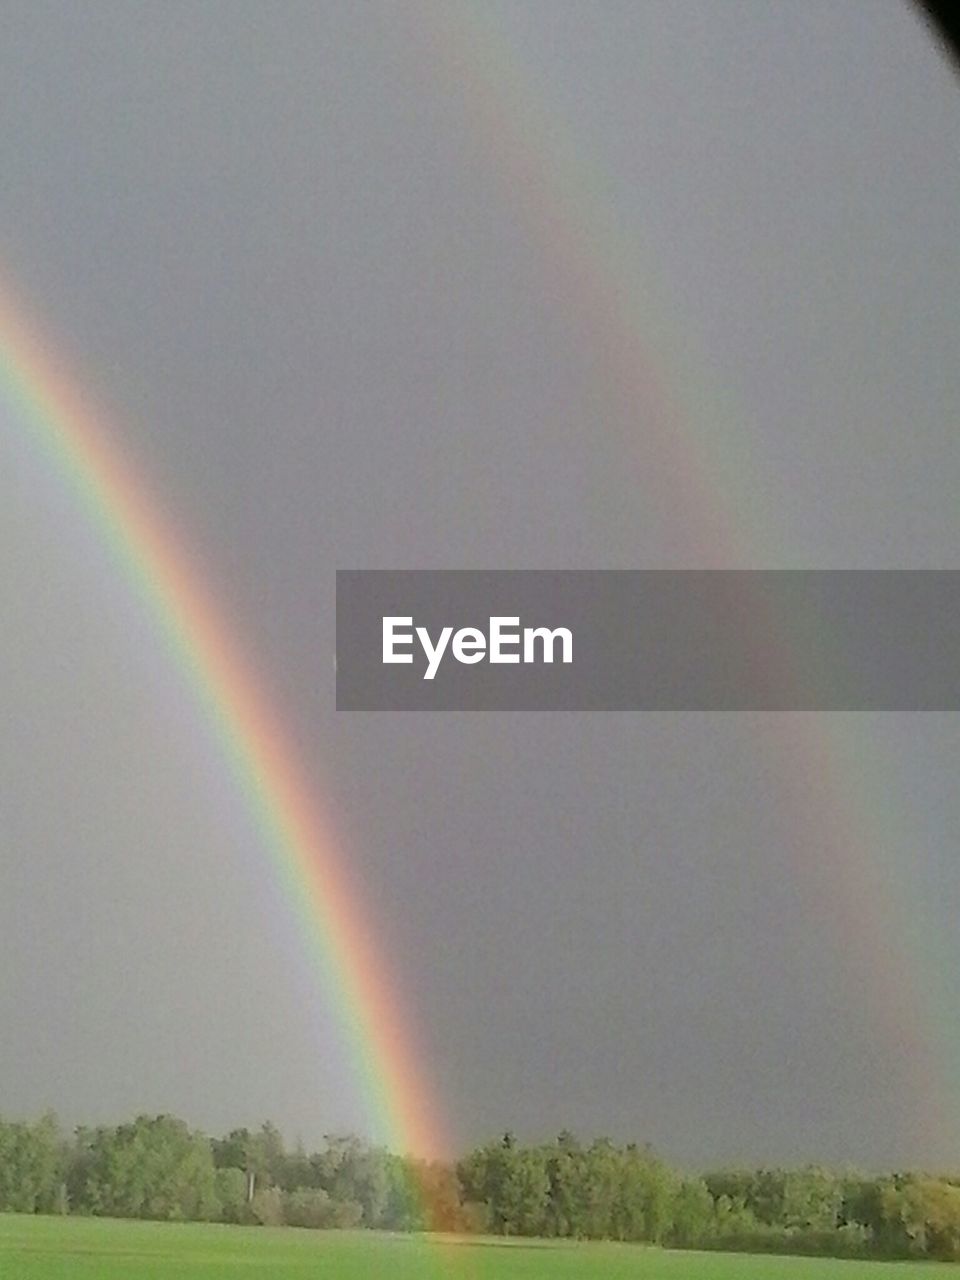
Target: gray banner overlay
[707, 640]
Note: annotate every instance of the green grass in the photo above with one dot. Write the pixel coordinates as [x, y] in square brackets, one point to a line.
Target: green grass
[100, 1249]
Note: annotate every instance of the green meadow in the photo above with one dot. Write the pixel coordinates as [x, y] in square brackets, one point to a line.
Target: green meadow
[37, 1248]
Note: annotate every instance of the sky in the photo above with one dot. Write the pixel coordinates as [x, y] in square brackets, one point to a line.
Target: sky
[366, 286]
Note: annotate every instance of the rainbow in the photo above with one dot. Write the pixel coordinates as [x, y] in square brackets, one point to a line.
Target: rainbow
[307, 861]
[694, 441]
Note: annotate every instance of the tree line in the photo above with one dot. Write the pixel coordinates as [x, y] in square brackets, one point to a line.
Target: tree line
[157, 1167]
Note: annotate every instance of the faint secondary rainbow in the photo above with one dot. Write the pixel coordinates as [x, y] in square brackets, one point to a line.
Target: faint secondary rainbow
[304, 851]
[694, 443]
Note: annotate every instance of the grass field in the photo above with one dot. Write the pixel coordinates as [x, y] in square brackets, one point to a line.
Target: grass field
[99, 1249]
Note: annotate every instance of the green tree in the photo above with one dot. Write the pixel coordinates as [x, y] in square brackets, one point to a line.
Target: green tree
[692, 1214]
[812, 1199]
[922, 1216]
[32, 1166]
[512, 1181]
[230, 1191]
[564, 1166]
[307, 1207]
[352, 1172]
[154, 1167]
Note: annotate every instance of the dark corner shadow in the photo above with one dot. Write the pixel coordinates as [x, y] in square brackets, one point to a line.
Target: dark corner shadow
[943, 17]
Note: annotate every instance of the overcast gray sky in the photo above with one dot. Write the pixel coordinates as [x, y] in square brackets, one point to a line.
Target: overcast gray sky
[276, 244]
